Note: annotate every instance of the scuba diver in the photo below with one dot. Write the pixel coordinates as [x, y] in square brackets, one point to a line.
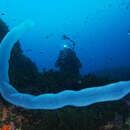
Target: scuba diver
[67, 60]
[71, 43]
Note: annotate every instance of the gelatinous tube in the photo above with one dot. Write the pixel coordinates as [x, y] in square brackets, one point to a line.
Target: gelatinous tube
[51, 101]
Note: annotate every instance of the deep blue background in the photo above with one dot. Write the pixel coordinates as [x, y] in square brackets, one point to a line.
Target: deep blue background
[99, 28]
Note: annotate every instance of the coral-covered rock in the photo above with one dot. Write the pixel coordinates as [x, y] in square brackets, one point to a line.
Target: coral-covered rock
[68, 61]
[22, 71]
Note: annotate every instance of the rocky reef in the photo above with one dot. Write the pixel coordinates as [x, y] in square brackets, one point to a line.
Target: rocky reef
[68, 61]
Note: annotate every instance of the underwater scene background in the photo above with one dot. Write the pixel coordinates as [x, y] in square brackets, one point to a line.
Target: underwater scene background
[74, 44]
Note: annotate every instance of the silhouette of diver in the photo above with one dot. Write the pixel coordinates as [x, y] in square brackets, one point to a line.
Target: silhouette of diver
[73, 44]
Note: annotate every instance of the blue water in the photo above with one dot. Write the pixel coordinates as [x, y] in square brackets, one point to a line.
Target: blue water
[99, 28]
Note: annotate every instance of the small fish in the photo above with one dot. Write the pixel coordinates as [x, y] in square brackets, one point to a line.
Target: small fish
[129, 32]
[128, 6]
[50, 56]
[123, 3]
[14, 19]
[73, 44]
[86, 20]
[29, 50]
[110, 59]
[87, 17]
[46, 37]
[2, 13]
[41, 52]
[110, 5]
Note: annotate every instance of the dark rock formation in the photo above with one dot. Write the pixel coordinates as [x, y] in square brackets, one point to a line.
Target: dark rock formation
[22, 71]
[68, 61]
